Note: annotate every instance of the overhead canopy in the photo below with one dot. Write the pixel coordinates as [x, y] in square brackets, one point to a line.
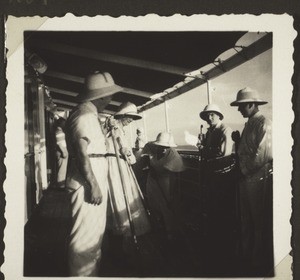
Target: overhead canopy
[145, 64]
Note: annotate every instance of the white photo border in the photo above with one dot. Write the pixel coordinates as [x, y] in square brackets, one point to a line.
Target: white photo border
[283, 36]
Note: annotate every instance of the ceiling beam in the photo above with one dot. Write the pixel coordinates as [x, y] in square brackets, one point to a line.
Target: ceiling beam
[115, 103]
[59, 105]
[62, 107]
[78, 79]
[64, 76]
[107, 57]
[239, 58]
[69, 108]
[108, 112]
[64, 102]
[245, 54]
[62, 91]
[137, 92]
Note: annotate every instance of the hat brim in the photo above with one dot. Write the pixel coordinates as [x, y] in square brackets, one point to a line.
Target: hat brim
[204, 113]
[164, 144]
[238, 102]
[134, 116]
[90, 95]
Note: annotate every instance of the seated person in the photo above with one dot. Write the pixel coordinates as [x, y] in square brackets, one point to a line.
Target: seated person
[164, 163]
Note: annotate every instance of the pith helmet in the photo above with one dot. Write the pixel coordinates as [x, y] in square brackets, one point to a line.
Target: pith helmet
[211, 108]
[247, 95]
[98, 85]
[165, 139]
[127, 109]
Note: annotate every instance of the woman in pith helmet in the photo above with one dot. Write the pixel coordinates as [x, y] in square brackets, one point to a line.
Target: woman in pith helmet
[121, 175]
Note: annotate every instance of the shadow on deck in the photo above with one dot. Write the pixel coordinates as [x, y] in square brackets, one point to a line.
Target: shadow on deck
[199, 251]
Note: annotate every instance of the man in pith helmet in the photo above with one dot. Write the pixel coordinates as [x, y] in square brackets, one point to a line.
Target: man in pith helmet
[87, 176]
[216, 173]
[255, 162]
[217, 141]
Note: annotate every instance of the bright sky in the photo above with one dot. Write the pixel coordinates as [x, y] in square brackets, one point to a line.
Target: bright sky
[184, 110]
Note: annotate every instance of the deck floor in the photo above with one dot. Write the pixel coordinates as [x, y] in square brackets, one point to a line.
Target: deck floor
[196, 252]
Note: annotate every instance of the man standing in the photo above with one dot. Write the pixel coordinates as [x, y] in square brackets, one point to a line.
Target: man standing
[217, 141]
[255, 161]
[217, 164]
[87, 176]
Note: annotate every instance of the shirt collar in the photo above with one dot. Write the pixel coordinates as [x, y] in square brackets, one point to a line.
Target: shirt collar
[91, 107]
[216, 126]
[255, 116]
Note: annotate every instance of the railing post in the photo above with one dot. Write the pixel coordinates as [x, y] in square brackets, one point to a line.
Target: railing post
[167, 116]
[209, 99]
[145, 126]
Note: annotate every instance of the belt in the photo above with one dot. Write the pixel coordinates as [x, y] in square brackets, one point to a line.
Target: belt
[114, 155]
[104, 155]
[96, 155]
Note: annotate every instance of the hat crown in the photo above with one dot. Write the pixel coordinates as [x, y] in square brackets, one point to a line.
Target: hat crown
[98, 80]
[211, 108]
[98, 85]
[165, 139]
[247, 94]
[126, 108]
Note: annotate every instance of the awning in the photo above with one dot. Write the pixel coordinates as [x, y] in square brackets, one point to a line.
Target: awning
[150, 66]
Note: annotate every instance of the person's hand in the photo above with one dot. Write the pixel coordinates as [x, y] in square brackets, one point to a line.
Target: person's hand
[111, 123]
[149, 156]
[96, 195]
[200, 146]
[64, 153]
[125, 152]
[236, 136]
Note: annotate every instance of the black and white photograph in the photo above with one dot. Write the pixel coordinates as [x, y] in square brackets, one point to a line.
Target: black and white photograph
[148, 146]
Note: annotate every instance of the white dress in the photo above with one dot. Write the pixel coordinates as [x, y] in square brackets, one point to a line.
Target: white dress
[117, 219]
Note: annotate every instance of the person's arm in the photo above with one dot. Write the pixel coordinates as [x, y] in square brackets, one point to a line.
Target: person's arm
[263, 152]
[173, 161]
[227, 143]
[85, 168]
[61, 142]
[63, 150]
[202, 141]
[123, 148]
